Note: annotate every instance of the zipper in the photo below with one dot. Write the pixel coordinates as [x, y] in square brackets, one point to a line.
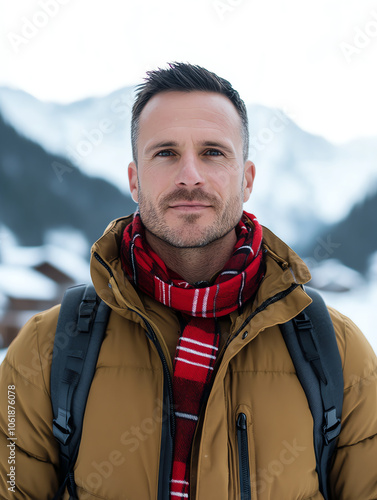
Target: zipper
[167, 438]
[167, 441]
[165, 366]
[262, 307]
[152, 336]
[243, 457]
[101, 261]
[241, 429]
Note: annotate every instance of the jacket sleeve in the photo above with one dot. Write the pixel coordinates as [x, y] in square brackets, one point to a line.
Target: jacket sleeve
[354, 473]
[28, 450]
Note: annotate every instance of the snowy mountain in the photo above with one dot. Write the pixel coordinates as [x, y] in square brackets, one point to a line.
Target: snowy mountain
[353, 240]
[304, 184]
[40, 192]
[93, 133]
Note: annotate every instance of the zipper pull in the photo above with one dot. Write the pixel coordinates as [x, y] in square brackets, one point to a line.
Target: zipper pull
[241, 422]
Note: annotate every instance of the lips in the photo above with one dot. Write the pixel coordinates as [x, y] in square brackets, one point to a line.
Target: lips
[187, 207]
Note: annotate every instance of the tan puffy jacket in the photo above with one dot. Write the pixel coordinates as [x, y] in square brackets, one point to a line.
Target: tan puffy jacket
[123, 452]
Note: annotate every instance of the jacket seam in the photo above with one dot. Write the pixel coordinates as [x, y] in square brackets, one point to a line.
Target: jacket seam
[37, 320]
[345, 344]
[23, 376]
[262, 371]
[374, 436]
[271, 300]
[91, 493]
[227, 407]
[27, 453]
[136, 368]
[361, 380]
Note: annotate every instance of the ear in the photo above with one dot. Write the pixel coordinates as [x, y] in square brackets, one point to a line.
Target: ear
[248, 179]
[133, 181]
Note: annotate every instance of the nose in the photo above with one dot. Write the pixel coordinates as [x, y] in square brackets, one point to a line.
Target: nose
[189, 172]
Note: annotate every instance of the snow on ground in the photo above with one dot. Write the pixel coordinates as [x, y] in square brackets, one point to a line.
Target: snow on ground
[334, 276]
[67, 261]
[360, 306]
[22, 282]
[2, 354]
[350, 293]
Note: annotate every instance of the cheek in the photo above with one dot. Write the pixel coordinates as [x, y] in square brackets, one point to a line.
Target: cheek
[151, 181]
[227, 180]
[155, 178]
[152, 189]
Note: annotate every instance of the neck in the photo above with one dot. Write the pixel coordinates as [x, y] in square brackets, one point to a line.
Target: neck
[195, 264]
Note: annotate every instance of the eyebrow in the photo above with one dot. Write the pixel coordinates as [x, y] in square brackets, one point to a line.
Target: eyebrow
[174, 144]
[220, 145]
[163, 144]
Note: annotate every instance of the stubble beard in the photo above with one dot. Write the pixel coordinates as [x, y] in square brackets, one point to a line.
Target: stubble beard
[190, 235]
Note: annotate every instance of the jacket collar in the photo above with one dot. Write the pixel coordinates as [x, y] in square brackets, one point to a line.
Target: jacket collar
[283, 269]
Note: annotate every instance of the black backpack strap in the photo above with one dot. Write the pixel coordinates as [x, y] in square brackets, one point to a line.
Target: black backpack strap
[80, 330]
[311, 342]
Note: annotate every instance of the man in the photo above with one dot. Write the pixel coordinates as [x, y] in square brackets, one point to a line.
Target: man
[194, 388]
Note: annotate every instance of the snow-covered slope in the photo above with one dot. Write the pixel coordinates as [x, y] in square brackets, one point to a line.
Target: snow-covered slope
[93, 133]
[302, 182]
[40, 191]
[359, 305]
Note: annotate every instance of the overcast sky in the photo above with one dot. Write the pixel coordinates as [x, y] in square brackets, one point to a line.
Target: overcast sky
[315, 60]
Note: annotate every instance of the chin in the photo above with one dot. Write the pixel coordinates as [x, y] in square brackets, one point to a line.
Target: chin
[193, 239]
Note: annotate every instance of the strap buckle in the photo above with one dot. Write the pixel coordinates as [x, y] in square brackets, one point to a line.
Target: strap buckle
[303, 323]
[86, 311]
[332, 427]
[60, 426]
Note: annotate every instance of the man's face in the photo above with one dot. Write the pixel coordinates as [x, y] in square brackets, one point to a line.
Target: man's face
[191, 180]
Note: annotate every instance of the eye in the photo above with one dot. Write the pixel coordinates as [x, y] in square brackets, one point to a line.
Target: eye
[165, 152]
[213, 152]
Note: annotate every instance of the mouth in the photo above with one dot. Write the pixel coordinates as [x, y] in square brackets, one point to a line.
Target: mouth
[185, 206]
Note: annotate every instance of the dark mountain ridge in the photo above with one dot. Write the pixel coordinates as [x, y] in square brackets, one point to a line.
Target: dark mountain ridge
[40, 191]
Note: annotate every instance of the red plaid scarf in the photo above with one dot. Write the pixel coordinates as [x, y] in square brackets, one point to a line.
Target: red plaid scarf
[198, 345]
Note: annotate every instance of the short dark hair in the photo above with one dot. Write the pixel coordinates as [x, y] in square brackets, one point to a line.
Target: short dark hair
[185, 77]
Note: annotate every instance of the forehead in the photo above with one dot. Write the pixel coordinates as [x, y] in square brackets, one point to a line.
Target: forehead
[174, 112]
